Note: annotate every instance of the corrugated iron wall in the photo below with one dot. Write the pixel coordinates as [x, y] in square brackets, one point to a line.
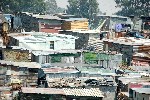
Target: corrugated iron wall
[41, 59]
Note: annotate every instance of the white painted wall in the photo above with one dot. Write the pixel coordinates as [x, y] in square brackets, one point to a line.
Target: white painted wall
[34, 45]
[59, 43]
[64, 44]
[140, 96]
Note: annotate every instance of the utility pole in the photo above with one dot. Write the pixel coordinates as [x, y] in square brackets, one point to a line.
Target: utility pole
[82, 56]
[89, 1]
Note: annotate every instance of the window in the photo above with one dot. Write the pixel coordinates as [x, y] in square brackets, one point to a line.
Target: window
[51, 44]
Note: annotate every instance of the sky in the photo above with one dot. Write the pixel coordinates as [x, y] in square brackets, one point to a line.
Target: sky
[107, 6]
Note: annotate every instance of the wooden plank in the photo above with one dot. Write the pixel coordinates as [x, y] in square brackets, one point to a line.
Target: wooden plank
[75, 25]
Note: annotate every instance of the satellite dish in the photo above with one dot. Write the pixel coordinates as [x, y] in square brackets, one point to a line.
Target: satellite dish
[118, 27]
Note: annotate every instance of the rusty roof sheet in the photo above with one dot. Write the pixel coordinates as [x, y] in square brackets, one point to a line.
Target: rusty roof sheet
[143, 54]
[129, 79]
[129, 41]
[60, 70]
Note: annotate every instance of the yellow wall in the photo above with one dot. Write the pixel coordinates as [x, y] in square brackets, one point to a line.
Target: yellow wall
[75, 25]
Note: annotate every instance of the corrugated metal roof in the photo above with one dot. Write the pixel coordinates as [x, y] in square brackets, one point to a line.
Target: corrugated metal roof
[143, 54]
[51, 17]
[115, 16]
[40, 36]
[145, 83]
[93, 92]
[48, 52]
[128, 79]
[129, 41]
[42, 90]
[21, 64]
[86, 31]
[60, 70]
[46, 17]
[5, 88]
[93, 70]
[76, 19]
[142, 90]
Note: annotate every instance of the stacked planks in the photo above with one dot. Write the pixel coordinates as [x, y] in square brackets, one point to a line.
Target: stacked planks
[72, 25]
[144, 48]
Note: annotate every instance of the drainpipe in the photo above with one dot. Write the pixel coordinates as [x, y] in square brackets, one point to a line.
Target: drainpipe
[107, 63]
[102, 61]
[81, 57]
[143, 26]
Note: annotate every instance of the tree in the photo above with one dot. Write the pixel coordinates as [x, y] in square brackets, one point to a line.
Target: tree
[52, 8]
[38, 6]
[61, 10]
[83, 8]
[88, 56]
[11, 6]
[133, 7]
[73, 7]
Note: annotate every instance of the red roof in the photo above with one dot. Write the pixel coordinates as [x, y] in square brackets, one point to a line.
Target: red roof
[135, 85]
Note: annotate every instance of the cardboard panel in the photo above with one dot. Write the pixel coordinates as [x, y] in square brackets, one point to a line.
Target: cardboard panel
[16, 55]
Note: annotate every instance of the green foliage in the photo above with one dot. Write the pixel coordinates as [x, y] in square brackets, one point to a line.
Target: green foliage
[83, 8]
[55, 59]
[89, 56]
[124, 63]
[12, 6]
[133, 7]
